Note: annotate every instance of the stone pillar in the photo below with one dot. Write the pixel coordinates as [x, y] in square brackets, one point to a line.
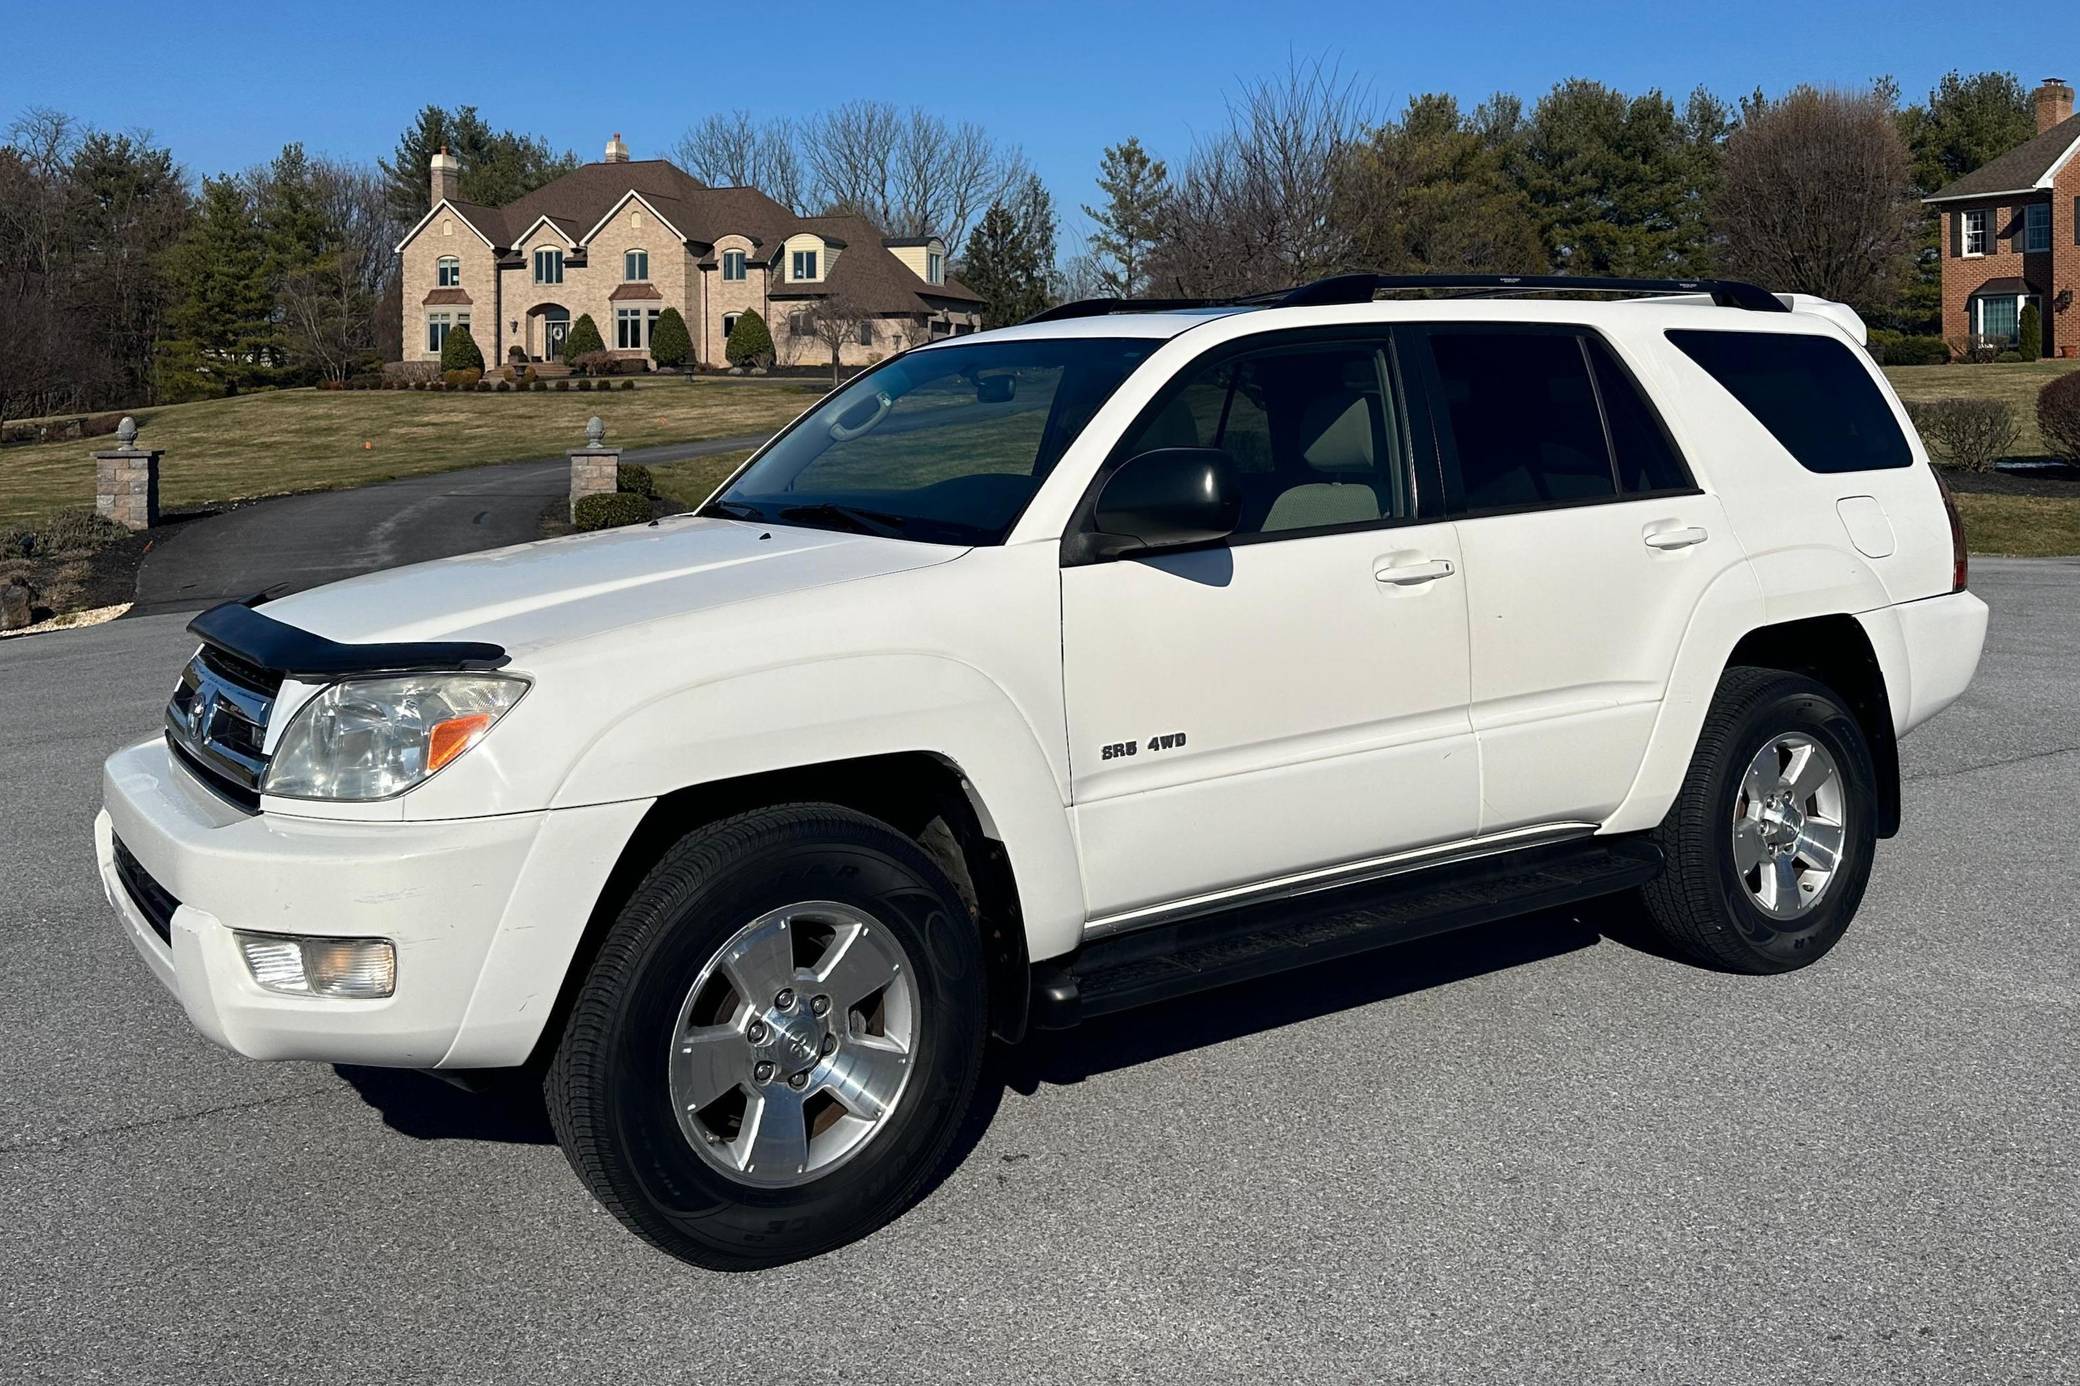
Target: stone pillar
[595, 468]
[126, 480]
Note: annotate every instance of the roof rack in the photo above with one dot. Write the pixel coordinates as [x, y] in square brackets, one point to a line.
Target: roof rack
[1363, 288]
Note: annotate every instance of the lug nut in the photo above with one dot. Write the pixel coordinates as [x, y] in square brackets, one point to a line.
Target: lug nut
[762, 1072]
[819, 1005]
[784, 1000]
[798, 1081]
[830, 1044]
[757, 1033]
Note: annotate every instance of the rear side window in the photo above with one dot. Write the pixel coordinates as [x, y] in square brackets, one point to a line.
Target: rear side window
[1519, 418]
[1646, 459]
[1811, 393]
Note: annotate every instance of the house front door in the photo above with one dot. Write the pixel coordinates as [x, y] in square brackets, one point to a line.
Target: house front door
[553, 332]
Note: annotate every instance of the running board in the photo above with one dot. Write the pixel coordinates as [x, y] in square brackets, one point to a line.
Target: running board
[1158, 963]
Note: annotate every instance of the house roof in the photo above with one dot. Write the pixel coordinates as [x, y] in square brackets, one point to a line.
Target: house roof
[873, 277]
[2026, 168]
[445, 296]
[2011, 284]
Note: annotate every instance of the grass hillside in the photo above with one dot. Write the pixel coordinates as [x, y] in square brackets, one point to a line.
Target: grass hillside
[313, 440]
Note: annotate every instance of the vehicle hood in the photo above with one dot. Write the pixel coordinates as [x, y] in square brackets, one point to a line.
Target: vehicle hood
[535, 595]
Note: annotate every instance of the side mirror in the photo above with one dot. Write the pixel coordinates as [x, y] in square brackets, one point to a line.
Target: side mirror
[995, 389]
[1166, 498]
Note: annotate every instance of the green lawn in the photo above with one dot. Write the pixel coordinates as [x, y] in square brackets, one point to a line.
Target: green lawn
[312, 440]
[691, 482]
[2016, 382]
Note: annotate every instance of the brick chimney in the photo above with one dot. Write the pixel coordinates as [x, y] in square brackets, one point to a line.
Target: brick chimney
[617, 152]
[2054, 103]
[447, 176]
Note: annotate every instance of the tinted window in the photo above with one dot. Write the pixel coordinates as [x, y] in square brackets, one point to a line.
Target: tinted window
[1314, 432]
[1519, 418]
[945, 446]
[1811, 393]
[1646, 459]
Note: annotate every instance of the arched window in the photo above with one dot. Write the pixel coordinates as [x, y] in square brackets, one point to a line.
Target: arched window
[733, 264]
[548, 266]
[448, 272]
[635, 266]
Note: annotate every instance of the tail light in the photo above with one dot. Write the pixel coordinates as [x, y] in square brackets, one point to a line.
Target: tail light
[1960, 563]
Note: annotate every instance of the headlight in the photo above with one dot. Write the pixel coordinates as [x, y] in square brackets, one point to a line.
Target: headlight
[373, 738]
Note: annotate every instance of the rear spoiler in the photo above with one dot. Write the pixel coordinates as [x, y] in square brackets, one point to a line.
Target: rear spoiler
[1840, 314]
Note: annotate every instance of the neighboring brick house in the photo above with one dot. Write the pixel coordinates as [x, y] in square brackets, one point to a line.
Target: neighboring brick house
[624, 239]
[2011, 235]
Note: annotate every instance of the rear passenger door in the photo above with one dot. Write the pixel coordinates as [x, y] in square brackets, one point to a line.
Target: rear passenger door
[1587, 546]
[1293, 698]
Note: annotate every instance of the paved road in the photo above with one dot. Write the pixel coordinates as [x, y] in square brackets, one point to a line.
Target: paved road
[1531, 1153]
[302, 541]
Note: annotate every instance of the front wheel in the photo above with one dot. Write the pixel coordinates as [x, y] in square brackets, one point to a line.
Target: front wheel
[777, 1041]
[1769, 843]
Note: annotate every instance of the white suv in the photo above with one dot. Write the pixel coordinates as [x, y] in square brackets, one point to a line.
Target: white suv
[1033, 675]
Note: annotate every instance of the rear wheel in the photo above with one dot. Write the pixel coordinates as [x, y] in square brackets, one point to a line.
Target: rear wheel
[777, 1041]
[1769, 843]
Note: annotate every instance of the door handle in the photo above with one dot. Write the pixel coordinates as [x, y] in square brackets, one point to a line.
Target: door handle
[1676, 538]
[1409, 574]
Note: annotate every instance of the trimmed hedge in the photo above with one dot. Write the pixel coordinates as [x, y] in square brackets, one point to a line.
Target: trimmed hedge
[584, 338]
[1902, 349]
[2058, 416]
[611, 511]
[1969, 433]
[459, 352]
[635, 479]
[750, 343]
[670, 344]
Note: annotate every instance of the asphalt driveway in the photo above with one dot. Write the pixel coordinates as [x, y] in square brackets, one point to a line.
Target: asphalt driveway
[1528, 1153]
[294, 542]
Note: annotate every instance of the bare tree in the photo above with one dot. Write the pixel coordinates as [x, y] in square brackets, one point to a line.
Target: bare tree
[1814, 196]
[1256, 207]
[329, 306]
[834, 320]
[910, 172]
[735, 149]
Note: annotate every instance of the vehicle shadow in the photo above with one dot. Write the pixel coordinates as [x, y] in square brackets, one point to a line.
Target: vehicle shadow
[426, 1108]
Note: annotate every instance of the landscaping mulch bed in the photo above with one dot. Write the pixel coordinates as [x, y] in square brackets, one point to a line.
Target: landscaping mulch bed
[2057, 480]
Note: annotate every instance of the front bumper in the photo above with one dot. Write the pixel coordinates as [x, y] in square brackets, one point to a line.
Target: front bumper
[485, 913]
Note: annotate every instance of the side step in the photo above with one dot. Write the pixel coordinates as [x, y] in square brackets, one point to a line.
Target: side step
[1156, 964]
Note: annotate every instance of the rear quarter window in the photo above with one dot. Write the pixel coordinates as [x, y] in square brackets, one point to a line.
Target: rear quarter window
[1811, 393]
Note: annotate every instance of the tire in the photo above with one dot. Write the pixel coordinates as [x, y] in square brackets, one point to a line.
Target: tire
[1745, 841]
[673, 978]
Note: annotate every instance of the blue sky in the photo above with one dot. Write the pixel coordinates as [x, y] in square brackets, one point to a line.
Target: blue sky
[226, 85]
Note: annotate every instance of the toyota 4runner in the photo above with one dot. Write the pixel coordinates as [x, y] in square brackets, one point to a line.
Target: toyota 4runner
[1034, 675]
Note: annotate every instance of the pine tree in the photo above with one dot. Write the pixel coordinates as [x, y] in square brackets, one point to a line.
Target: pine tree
[460, 352]
[1010, 256]
[670, 344]
[1136, 188]
[2029, 341]
[221, 320]
[293, 226]
[584, 337]
[750, 343]
[497, 165]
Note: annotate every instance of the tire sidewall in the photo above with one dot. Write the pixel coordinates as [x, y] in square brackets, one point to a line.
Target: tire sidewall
[912, 900]
[1807, 708]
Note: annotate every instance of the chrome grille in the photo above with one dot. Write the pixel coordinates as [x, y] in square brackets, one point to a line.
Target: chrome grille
[217, 722]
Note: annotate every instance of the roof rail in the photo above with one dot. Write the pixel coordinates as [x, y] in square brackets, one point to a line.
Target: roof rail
[1363, 288]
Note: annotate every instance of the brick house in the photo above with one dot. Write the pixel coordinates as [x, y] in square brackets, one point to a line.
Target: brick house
[623, 239]
[2011, 236]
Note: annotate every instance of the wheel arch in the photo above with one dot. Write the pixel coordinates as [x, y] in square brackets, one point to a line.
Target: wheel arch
[922, 794]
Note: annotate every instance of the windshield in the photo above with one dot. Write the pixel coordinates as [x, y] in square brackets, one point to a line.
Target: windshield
[945, 445]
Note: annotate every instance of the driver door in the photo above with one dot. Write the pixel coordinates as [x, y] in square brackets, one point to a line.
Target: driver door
[1294, 699]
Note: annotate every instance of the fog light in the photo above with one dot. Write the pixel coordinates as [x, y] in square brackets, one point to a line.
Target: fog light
[351, 967]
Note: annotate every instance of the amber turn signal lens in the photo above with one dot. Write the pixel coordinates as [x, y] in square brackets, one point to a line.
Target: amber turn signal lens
[452, 737]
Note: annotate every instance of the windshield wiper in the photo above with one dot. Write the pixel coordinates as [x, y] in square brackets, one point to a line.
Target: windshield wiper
[857, 518]
[733, 510]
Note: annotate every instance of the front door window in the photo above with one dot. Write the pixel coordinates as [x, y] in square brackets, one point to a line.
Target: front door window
[554, 330]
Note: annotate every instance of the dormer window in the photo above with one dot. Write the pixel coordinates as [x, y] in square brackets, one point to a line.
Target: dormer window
[548, 266]
[635, 266]
[935, 267]
[804, 266]
[733, 264]
[1973, 238]
[447, 274]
